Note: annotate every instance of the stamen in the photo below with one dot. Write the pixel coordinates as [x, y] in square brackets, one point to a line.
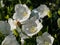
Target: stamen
[17, 23]
[46, 43]
[25, 14]
[33, 29]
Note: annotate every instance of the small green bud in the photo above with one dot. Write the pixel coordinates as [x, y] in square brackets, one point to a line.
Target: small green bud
[49, 14]
[15, 33]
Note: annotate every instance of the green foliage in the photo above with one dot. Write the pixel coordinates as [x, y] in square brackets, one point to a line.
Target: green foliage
[31, 41]
[1, 37]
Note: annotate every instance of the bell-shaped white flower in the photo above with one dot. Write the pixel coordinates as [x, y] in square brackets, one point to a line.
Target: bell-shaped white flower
[43, 10]
[22, 13]
[4, 27]
[45, 39]
[58, 22]
[32, 27]
[10, 40]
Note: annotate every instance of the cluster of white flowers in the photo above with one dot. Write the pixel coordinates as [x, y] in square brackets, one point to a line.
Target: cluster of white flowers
[27, 23]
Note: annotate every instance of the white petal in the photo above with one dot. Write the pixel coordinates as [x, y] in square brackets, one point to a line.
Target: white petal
[48, 37]
[40, 40]
[22, 41]
[12, 25]
[23, 36]
[43, 10]
[45, 39]
[4, 27]
[38, 28]
[27, 27]
[10, 40]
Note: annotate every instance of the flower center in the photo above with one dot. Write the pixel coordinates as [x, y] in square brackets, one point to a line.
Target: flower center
[46, 43]
[33, 29]
[25, 14]
[17, 23]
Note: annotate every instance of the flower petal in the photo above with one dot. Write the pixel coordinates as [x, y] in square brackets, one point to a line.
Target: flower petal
[48, 37]
[43, 10]
[4, 27]
[12, 24]
[40, 40]
[45, 39]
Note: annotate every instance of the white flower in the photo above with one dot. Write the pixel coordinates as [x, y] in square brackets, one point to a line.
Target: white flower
[10, 40]
[58, 22]
[4, 27]
[22, 13]
[45, 39]
[32, 27]
[43, 11]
